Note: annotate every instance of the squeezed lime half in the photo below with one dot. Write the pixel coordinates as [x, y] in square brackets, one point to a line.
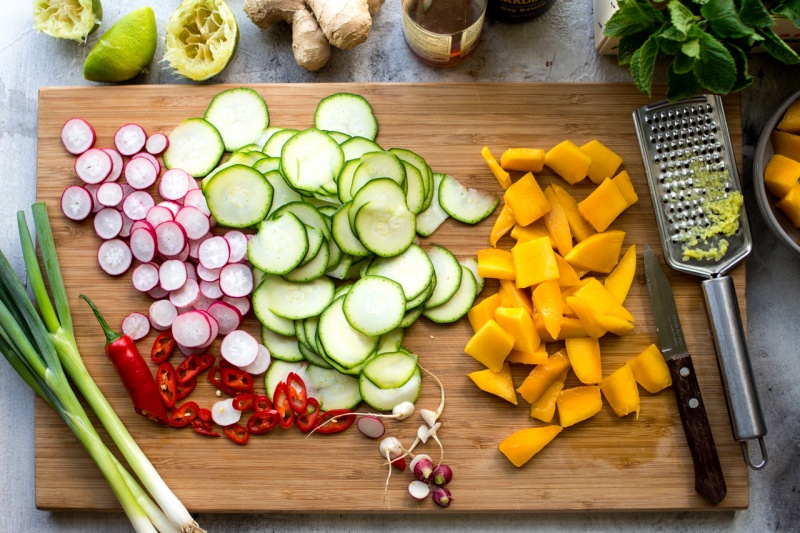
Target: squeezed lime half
[67, 19]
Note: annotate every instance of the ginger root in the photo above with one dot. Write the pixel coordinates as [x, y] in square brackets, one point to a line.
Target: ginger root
[317, 24]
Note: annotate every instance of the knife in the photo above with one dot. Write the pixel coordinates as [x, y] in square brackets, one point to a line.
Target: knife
[708, 479]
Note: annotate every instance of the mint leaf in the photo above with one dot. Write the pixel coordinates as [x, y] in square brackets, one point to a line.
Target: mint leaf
[681, 86]
[643, 63]
[715, 68]
[789, 9]
[670, 41]
[632, 17]
[723, 19]
[628, 45]
[743, 79]
[683, 64]
[753, 13]
[681, 16]
[777, 48]
[691, 48]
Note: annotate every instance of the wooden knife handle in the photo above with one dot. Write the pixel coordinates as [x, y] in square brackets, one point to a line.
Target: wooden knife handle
[708, 479]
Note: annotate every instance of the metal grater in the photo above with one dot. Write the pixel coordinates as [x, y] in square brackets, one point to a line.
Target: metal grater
[677, 138]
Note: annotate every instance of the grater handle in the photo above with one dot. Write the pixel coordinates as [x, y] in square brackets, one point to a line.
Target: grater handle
[747, 420]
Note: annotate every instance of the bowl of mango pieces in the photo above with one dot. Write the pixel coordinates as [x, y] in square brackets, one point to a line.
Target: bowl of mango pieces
[776, 172]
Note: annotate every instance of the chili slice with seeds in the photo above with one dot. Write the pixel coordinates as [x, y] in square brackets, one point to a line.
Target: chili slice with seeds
[237, 433]
[183, 415]
[244, 402]
[340, 424]
[167, 384]
[204, 428]
[182, 390]
[215, 379]
[280, 401]
[204, 414]
[261, 403]
[236, 379]
[307, 420]
[262, 421]
[296, 392]
[163, 347]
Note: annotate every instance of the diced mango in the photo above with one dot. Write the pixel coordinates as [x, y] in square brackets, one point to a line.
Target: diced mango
[537, 357]
[598, 253]
[534, 262]
[618, 282]
[521, 446]
[497, 383]
[544, 408]
[614, 324]
[503, 177]
[603, 205]
[790, 205]
[786, 144]
[596, 295]
[571, 328]
[623, 183]
[567, 277]
[490, 345]
[511, 296]
[781, 174]
[578, 404]
[547, 303]
[542, 376]
[791, 119]
[502, 225]
[526, 200]
[589, 316]
[650, 370]
[518, 322]
[482, 312]
[584, 357]
[496, 263]
[604, 161]
[524, 159]
[557, 223]
[568, 161]
[621, 391]
[580, 228]
[535, 230]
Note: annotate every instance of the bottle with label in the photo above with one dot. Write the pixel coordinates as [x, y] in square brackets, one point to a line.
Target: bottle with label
[517, 10]
[442, 32]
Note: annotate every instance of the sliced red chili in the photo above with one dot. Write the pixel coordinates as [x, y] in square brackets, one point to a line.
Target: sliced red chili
[183, 415]
[307, 420]
[187, 370]
[237, 433]
[244, 402]
[182, 390]
[262, 403]
[215, 379]
[224, 363]
[163, 347]
[167, 384]
[204, 428]
[262, 421]
[296, 392]
[280, 401]
[337, 425]
[204, 414]
[236, 379]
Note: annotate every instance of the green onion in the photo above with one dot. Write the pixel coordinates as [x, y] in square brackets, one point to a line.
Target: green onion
[41, 347]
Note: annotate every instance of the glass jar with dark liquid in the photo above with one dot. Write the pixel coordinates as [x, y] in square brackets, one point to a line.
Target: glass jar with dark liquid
[442, 32]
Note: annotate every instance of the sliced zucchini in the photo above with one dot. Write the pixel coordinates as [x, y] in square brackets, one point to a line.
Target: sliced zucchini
[385, 229]
[391, 341]
[390, 370]
[268, 319]
[333, 389]
[388, 399]
[384, 189]
[338, 136]
[308, 214]
[465, 205]
[411, 316]
[296, 301]
[419, 162]
[448, 275]
[378, 165]
[275, 143]
[280, 245]
[311, 160]
[415, 192]
[282, 194]
[348, 113]
[240, 115]
[341, 342]
[433, 216]
[267, 164]
[412, 269]
[315, 268]
[459, 304]
[238, 196]
[375, 305]
[281, 347]
[278, 371]
[341, 269]
[355, 147]
[472, 264]
[195, 146]
[265, 136]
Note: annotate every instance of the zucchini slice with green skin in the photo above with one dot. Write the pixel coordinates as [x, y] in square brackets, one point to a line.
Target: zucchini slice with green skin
[390, 370]
[238, 196]
[448, 275]
[281, 347]
[376, 165]
[342, 343]
[375, 305]
[385, 229]
[391, 341]
[459, 304]
[415, 193]
[267, 164]
[282, 194]
[418, 161]
[472, 264]
[333, 389]
[241, 116]
[274, 144]
[195, 146]
[314, 269]
[279, 370]
[433, 216]
[348, 113]
[381, 189]
[355, 147]
[412, 269]
[388, 399]
[411, 316]
[280, 245]
[311, 160]
[465, 205]
[345, 180]
[308, 215]
[268, 319]
[296, 301]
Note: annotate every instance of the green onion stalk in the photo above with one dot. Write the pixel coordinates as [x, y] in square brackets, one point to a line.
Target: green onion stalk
[41, 347]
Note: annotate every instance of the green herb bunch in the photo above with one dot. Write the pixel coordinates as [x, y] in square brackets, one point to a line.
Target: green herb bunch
[707, 41]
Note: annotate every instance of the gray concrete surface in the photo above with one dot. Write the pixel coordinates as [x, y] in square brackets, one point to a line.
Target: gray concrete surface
[557, 47]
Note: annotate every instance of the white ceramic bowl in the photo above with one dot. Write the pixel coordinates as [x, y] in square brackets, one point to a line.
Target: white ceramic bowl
[778, 223]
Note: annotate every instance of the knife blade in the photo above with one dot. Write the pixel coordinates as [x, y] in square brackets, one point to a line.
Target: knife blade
[708, 477]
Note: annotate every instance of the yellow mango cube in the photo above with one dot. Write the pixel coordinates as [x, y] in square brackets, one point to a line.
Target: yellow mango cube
[614, 324]
[589, 316]
[781, 174]
[623, 183]
[482, 312]
[567, 276]
[605, 161]
[518, 322]
[496, 263]
[596, 295]
[537, 357]
[521, 446]
[547, 302]
[503, 177]
[490, 345]
[568, 161]
[584, 357]
[545, 407]
[502, 225]
[603, 205]
[790, 121]
[511, 296]
[598, 253]
[557, 223]
[790, 205]
[578, 404]
[580, 228]
[524, 159]
[497, 383]
[621, 392]
[618, 282]
[534, 262]
[542, 376]
[786, 144]
[526, 200]
[535, 230]
[650, 370]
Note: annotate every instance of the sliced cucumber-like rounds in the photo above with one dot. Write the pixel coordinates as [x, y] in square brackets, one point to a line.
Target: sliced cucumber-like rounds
[385, 229]
[472, 264]
[296, 301]
[195, 146]
[375, 305]
[268, 319]
[311, 161]
[376, 165]
[343, 233]
[347, 113]
[342, 343]
[240, 115]
[274, 145]
[412, 269]
[463, 204]
[282, 347]
[390, 370]
[448, 275]
[355, 147]
[333, 389]
[238, 196]
[280, 245]
[381, 189]
[433, 216]
[279, 370]
[388, 399]
[459, 304]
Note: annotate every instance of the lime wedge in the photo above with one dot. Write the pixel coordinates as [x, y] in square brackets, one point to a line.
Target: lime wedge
[202, 37]
[125, 50]
[67, 19]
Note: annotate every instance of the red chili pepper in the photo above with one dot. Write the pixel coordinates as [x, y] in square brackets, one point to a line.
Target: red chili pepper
[190, 367]
[167, 384]
[183, 415]
[296, 392]
[236, 379]
[216, 380]
[204, 414]
[340, 424]
[262, 421]
[280, 401]
[237, 433]
[182, 390]
[204, 428]
[132, 369]
[163, 347]
[261, 403]
[307, 420]
[244, 402]
[224, 363]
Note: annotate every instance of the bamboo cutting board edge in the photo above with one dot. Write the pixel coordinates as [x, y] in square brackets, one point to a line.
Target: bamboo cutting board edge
[475, 114]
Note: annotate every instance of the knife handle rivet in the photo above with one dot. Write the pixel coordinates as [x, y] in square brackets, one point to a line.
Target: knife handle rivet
[693, 403]
[685, 371]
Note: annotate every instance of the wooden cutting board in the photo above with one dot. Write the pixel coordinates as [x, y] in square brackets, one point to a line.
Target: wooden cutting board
[603, 463]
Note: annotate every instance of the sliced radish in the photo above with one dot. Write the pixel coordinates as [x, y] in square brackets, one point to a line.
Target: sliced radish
[196, 198]
[193, 184]
[174, 184]
[203, 302]
[109, 194]
[114, 257]
[194, 245]
[184, 255]
[192, 329]
[419, 490]
[242, 304]
[156, 143]
[262, 362]
[127, 224]
[172, 206]
[130, 139]
[171, 238]
[143, 224]
[193, 221]
[136, 326]
[77, 135]
[210, 289]
[186, 296]
[163, 314]
[143, 244]
[140, 173]
[191, 271]
[150, 157]
[214, 252]
[238, 243]
[157, 293]
[93, 166]
[126, 190]
[158, 214]
[76, 203]
[236, 280]
[93, 188]
[118, 164]
[137, 204]
[145, 277]
[371, 426]
[226, 315]
[224, 414]
[107, 223]
[172, 275]
[239, 348]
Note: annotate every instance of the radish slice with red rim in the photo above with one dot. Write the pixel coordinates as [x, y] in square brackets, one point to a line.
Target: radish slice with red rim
[186, 296]
[137, 204]
[214, 252]
[127, 224]
[191, 271]
[238, 243]
[208, 274]
[171, 238]
[118, 164]
[262, 362]
[93, 166]
[156, 143]
[194, 245]
[130, 139]
[203, 302]
[194, 222]
[163, 314]
[109, 194]
[371, 426]
[419, 490]
[226, 315]
[150, 157]
[114, 257]
[210, 289]
[107, 223]
[242, 304]
[172, 275]
[196, 198]
[224, 414]
[192, 329]
[214, 325]
[184, 255]
[143, 244]
[239, 348]
[140, 173]
[145, 225]
[158, 214]
[193, 184]
[136, 326]
[76, 203]
[145, 277]
[236, 280]
[93, 188]
[157, 293]
[172, 206]
[174, 184]
[77, 135]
